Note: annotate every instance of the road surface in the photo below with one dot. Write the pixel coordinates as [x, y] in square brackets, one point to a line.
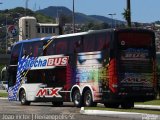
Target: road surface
[45, 111]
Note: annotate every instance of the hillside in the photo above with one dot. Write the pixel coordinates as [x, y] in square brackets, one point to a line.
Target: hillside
[54, 11]
[105, 19]
[11, 17]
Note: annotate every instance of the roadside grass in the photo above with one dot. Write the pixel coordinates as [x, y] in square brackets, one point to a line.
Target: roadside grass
[3, 94]
[157, 112]
[152, 102]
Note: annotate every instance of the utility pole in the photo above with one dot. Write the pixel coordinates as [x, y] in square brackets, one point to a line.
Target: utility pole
[73, 18]
[26, 5]
[112, 14]
[128, 13]
[6, 34]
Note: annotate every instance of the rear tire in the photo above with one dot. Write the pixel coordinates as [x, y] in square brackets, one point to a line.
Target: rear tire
[57, 104]
[77, 98]
[23, 98]
[111, 105]
[127, 105]
[88, 99]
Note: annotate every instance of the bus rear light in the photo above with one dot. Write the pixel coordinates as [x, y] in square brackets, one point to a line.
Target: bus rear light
[113, 75]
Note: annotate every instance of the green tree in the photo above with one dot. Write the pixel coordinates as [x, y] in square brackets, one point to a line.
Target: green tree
[127, 14]
[96, 26]
[157, 22]
[65, 19]
[43, 18]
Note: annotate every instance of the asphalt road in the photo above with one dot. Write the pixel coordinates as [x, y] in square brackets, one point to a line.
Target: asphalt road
[45, 111]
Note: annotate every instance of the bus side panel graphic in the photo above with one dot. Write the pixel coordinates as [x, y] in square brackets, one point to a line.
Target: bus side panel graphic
[31, 63]
[91, 71]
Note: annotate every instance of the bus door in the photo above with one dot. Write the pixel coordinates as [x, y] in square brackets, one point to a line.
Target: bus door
[12, 72]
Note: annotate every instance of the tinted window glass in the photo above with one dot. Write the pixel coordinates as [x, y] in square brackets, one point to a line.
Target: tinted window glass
[33, 49]
[38, 49]
[50, 50]
[102, 41]
[51, 77]
[75, 44]
[58, 46]
[15, 54]
[89, 43]
[61, 46]
[135, 52]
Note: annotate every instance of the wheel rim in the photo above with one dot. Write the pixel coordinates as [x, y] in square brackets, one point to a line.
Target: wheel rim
[23, 97]
[77, 98]
[88, 99]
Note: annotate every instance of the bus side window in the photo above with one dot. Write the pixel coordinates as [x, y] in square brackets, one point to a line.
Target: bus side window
[27, 49]
[50, 50]
[36, 76]
[89, 43]
[33, 49]
[15, 54]
[75, 44]
[61, 47]
[102, 42]
[38, 49]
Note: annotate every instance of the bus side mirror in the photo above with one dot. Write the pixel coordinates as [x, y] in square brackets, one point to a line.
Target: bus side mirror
[8, 69]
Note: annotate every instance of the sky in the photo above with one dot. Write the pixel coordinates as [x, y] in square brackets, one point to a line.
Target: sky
[145, 11]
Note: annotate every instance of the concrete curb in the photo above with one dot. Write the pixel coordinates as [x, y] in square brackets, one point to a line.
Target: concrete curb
[125, 115]
[150, 107]
[146, 107]
[3, 98]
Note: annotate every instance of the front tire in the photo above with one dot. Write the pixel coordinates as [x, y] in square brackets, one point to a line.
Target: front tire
[77, 98]
[88, 99]
[23, 98]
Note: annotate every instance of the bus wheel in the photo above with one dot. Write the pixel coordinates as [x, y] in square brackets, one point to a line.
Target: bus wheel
[111, 105]
[57, 104]
[127, 105]
[88, 100]
[77, 98]
[23, 98]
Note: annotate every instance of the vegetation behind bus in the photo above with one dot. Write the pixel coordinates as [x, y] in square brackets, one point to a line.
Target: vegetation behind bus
[1, 67]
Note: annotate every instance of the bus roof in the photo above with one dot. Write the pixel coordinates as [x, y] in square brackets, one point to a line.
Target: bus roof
[82, 33]
[61, 36]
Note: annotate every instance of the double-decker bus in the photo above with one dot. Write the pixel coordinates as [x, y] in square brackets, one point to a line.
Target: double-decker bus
[114, 67]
